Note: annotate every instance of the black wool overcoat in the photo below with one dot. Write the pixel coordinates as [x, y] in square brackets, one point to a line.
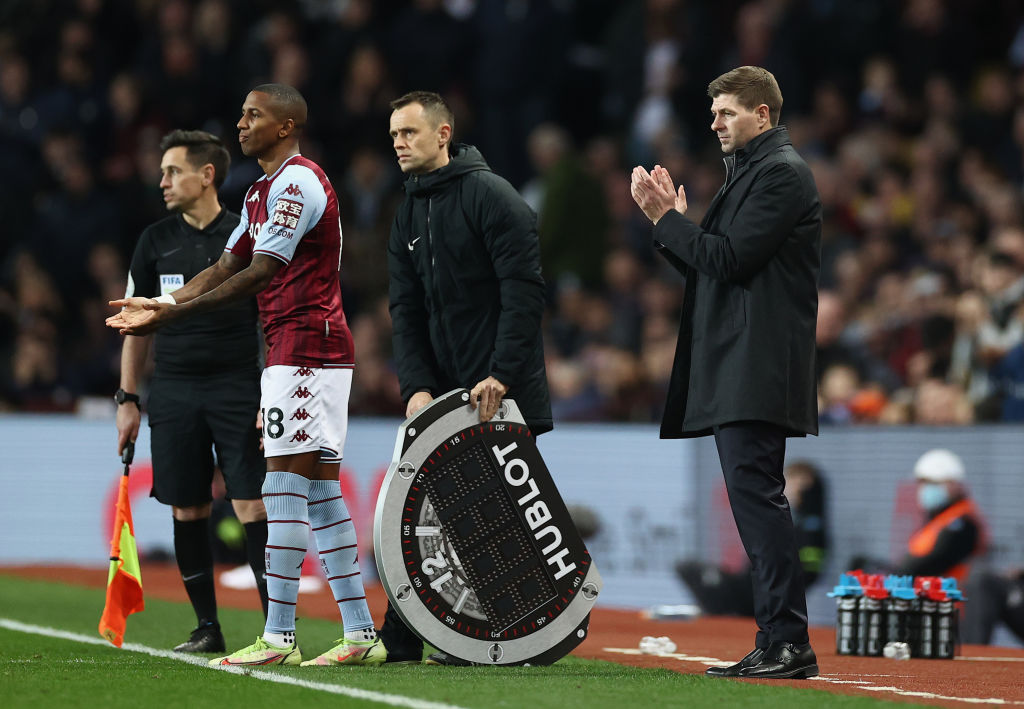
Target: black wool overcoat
[746, 348]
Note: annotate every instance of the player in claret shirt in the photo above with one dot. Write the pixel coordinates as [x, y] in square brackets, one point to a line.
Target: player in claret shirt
[287, 250]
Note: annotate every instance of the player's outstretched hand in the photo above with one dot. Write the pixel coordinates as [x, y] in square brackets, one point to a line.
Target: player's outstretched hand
[488, 393]
[138, 316]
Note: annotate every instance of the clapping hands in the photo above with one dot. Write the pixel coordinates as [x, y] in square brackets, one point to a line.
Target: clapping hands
[655, 193]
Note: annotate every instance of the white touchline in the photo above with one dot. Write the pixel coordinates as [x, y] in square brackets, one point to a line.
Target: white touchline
[989, 659]
[866, 685]
[711, 661]
[394, 700]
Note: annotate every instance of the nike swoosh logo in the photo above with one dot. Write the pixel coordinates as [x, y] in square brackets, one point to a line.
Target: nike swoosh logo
[168, 253]
[413, 242]
[193, 576]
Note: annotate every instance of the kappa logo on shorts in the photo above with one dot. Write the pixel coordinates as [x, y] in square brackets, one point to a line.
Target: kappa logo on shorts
[301, 415]
[303, 372]
[301, 436]
[302, 393]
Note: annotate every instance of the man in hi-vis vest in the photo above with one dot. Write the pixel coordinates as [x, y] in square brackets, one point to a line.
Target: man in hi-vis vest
[952, 533]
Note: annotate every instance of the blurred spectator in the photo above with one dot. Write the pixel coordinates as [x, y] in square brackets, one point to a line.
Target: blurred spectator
[1008, 383]
[512, 91]
[572, 218]
[375, 391]
[362, 106]
[1002, 282]
[429, 44]
[181, 82]
[994, 598]
[918, 154]
[96, 360]
[69, 221]
[839, 384]
[937, 403]
[838, 345]
[216, 45]
[33, 378]
[367, 201]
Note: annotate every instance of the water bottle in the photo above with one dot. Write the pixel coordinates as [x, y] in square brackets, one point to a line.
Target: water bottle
[947, 633]
[898, 620]
[846, 626]
[870, 627]
[929, 612]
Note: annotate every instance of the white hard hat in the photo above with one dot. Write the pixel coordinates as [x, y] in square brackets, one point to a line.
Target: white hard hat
[939, 465]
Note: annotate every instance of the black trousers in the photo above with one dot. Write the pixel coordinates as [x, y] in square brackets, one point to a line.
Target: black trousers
[400, 642]
[752, 454]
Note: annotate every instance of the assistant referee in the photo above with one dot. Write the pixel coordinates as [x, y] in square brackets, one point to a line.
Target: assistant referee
[205, 391]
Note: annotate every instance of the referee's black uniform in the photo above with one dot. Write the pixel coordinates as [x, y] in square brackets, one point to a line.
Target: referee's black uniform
[205, 389]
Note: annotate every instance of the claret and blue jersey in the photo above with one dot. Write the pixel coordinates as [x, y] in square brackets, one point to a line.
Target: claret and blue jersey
[292, 216]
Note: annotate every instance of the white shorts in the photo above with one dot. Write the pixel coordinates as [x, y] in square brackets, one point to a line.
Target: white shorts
[305, 409]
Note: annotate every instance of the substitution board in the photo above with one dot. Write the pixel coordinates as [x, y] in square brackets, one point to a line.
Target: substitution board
[474, 545]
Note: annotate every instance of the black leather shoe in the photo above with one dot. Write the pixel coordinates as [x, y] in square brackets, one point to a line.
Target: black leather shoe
[752, 658]
[205, 638]
[443, 658]
[784, 661]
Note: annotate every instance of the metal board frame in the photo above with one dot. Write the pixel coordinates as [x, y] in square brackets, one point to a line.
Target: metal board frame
[474, 545]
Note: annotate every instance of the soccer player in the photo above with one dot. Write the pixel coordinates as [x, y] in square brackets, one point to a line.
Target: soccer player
[205, 387]
[287, 249]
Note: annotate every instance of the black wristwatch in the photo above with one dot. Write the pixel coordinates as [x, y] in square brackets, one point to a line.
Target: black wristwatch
[121, 396]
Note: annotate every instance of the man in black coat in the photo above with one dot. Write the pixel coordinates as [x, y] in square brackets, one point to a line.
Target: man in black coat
[744, 364]
[465, 289]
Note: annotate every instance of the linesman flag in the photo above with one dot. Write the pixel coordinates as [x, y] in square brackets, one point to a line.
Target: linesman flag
[124, 583]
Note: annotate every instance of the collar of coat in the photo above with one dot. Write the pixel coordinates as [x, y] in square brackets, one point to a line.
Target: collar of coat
[755, 150]
[762, 145]
[464, 159]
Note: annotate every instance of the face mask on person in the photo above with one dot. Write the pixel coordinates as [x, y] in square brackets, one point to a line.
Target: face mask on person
[932, 496]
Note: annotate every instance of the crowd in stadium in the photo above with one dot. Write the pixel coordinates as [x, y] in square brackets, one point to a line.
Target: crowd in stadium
[910, 113]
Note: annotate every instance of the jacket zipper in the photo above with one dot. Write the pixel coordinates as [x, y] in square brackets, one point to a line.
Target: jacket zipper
[430, 238]
[433, 283]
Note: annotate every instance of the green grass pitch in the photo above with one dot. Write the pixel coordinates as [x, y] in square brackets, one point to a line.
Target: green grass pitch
[38, 671]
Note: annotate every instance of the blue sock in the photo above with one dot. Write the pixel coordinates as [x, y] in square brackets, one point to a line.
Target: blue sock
[285, 496]
[335, 536]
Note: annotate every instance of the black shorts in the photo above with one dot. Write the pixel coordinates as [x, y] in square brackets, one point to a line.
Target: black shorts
[191, 418]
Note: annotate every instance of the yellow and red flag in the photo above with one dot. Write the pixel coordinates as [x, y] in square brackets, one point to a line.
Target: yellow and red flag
[124, 582]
